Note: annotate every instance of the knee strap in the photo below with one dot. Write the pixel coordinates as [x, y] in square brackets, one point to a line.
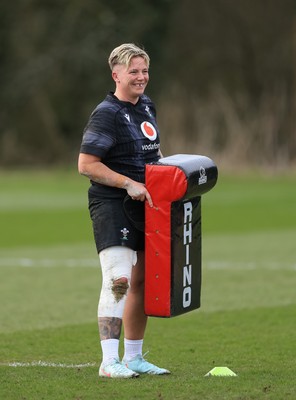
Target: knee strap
[116, 264]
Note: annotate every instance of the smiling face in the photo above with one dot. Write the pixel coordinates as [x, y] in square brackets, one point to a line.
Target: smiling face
[131, 80]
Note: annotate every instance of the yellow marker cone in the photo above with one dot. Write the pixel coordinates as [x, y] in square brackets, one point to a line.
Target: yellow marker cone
[220, 371]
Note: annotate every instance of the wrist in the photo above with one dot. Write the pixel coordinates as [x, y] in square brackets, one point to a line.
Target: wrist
[126, 184]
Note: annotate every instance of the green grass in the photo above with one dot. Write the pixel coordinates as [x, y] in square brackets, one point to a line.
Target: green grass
[50, 279]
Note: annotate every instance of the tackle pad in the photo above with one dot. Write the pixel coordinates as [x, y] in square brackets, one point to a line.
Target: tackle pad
[173, 232]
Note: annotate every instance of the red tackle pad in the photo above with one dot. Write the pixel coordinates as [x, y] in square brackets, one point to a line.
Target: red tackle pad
[173, 233]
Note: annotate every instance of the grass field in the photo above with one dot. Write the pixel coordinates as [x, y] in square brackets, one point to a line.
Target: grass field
[50, 279]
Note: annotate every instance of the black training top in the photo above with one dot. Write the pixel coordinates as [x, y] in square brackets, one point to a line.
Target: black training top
[125, 136]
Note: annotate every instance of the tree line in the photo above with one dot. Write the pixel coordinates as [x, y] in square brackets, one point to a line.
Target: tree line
[222, 75]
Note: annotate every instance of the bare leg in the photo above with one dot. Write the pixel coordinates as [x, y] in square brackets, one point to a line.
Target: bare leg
[134, 318]
[109, 327]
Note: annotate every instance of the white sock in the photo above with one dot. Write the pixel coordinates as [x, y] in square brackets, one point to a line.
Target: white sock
[132, 348]
[110, 350]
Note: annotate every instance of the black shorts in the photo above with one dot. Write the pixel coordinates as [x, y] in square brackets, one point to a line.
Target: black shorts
[111, 226]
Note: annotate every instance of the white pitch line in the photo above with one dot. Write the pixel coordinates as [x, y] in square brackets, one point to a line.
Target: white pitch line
[252, 265]
[46, 364]
[27, 262]
[48, 262]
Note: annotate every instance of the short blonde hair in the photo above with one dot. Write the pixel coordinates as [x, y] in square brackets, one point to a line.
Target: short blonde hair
[124, 53]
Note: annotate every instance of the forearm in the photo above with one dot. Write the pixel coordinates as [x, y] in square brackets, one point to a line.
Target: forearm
[100, 173]
[94, 169]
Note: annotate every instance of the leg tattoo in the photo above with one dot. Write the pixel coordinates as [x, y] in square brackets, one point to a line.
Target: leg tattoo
[109, 327]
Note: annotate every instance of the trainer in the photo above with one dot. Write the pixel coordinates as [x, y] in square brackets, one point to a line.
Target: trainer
[120, 137]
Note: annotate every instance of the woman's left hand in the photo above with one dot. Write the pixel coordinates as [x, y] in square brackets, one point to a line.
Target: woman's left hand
[138, 191]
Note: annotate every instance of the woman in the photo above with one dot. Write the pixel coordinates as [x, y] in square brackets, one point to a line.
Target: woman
[120, 138]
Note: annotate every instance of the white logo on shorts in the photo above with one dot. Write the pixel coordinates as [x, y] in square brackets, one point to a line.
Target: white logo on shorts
[124, 232]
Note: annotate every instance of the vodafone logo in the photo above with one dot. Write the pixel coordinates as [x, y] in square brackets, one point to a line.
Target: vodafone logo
[148, 130]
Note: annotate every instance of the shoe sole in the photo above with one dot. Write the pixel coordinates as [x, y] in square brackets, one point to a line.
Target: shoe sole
[149, 372]
[108, 376]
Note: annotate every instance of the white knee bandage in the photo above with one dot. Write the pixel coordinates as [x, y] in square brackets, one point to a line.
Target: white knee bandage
[116, 263]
